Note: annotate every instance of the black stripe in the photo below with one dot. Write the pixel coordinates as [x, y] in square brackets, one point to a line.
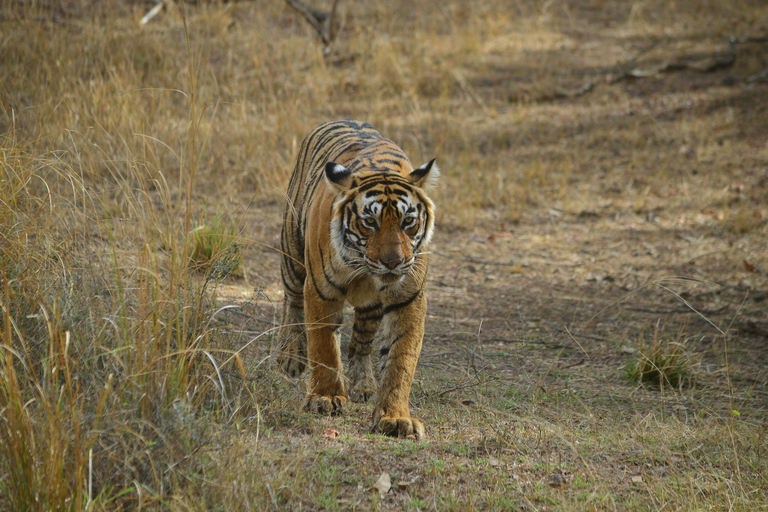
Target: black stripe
[325, 274]
[388, 161]
[368, 309]
[317, 288]
[396, 339]
[398, 192]
[369, 184]
[392, 152]
[290, 289]
[401, 305]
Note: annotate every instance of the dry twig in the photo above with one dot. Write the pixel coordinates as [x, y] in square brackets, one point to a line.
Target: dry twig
[323, 22]
[473, 260]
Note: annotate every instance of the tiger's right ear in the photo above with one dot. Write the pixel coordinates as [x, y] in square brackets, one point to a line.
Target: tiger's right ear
[338, 176]
[425, 177]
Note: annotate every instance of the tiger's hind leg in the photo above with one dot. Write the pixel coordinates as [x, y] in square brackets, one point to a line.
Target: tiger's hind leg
[292, 337]
[362, 379]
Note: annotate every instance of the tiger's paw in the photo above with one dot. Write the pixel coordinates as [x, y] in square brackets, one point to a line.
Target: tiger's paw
[363, 390]
[292, 360]
[291, 365]
[404, 428]
[325, 404]
[362, 378]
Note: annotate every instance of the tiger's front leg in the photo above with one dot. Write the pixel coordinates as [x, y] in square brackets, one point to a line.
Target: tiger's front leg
[402, 331]
[326, 393]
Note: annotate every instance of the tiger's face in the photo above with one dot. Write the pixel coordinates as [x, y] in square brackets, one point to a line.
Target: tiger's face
[382, 221]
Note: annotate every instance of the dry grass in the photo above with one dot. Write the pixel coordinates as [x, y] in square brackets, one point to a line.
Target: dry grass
[129, 379]
[662, 361]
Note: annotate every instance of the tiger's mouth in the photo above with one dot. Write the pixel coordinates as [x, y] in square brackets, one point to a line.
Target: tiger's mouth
[390, 277]
[386, 275]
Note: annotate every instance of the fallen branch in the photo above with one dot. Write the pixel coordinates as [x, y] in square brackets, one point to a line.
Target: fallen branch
[701, 63]
[473, 260]
[323, 22]
[577, 363]
[676, 310]
[756, 77]
[465, 386]
[152, 13]
[705, 64]
[538, 341]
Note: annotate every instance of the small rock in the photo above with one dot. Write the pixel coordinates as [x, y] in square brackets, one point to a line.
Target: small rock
[404, 484]
[556, 480]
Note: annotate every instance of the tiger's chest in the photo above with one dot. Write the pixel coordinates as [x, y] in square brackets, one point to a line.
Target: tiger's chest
[363, 291]
[360, 289]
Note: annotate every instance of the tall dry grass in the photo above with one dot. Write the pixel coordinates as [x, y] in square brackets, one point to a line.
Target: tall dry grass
[107, 357]
[110, 381]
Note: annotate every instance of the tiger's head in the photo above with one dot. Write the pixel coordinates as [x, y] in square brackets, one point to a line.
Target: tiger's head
[382, 220]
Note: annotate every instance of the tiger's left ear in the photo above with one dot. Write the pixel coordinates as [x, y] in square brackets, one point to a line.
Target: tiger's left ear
[338, 176]
[425, 177]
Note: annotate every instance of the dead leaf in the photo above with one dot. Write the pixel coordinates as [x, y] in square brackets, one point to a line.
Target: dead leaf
[383, 484]
[637, 479]
[330, 433]
[749, 267]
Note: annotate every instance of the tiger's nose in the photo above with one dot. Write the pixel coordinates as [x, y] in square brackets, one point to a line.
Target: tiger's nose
[391, 263]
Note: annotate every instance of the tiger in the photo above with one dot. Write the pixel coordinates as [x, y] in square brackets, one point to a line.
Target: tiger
[356, 228]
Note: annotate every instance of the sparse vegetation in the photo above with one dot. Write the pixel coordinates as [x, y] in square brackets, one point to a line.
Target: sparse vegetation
[135, 327]
[214, 248]
[662, 361]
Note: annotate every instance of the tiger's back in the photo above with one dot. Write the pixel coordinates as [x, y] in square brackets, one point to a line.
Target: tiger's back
[356, 228]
